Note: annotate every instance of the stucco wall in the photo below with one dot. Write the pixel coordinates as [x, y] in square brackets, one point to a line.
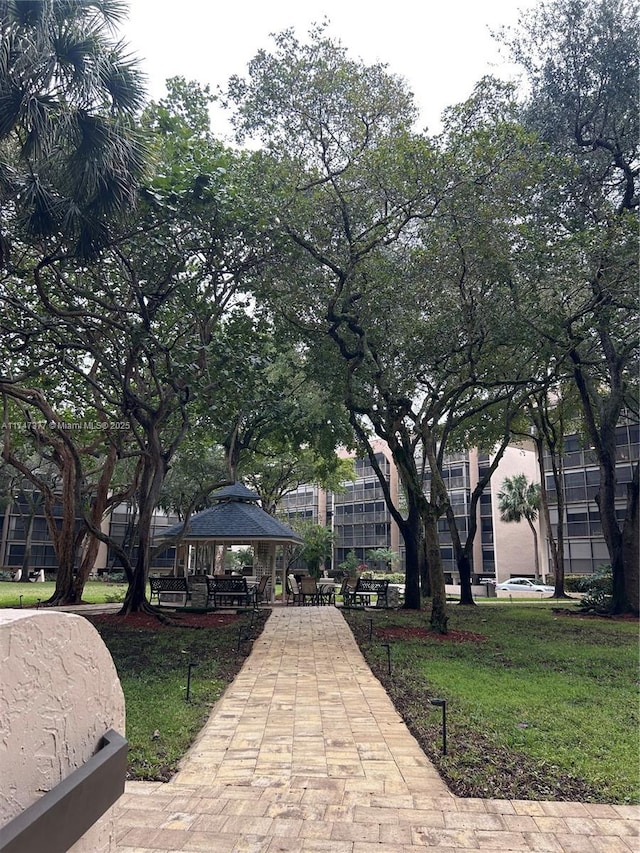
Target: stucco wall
[513, 542]
[59, 694]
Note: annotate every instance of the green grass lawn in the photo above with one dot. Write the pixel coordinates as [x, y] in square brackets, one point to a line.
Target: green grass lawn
[95, 592]
[543, 706]
[152, 664]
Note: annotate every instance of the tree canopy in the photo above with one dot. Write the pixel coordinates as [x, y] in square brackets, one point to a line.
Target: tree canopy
[242, 312]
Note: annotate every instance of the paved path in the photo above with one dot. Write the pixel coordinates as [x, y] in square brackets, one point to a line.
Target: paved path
[305, 753]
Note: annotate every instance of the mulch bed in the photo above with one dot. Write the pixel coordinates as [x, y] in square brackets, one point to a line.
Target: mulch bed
[149, 622]
[416, 633]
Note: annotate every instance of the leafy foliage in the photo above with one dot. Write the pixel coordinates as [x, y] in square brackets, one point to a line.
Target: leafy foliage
[599, 591]
[70, 154]
[576, 284]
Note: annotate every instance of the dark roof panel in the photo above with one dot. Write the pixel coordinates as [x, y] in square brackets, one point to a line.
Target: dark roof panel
[234, 520]
[237, 491]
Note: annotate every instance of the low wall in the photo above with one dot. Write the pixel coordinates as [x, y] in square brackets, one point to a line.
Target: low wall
[478, 590]
[59, 694]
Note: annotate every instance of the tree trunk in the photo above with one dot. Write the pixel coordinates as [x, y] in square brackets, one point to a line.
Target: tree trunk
[556, 543]
[432, 508]
[606, 500]
[411, 527]
[602, 433]
[153, 475]
[98, 509]
[425, 580]
[536, 555]
[439, 617]
[136, 597]
[464, 569]
[64, 537]
[62, 531]
[463, 561]
[631, 544]
[414, 552]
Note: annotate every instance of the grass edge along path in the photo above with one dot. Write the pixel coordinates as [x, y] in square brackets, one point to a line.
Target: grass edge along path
[15, 594]
[152, 660]
[540, 705]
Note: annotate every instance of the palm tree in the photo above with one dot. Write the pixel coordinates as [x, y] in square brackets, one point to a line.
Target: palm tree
[520, 499]
[70, 153]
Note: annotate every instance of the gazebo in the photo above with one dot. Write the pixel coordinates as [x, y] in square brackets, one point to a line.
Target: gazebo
[234, 519]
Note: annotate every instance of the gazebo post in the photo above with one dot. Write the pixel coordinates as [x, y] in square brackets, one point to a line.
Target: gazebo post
[272, 560]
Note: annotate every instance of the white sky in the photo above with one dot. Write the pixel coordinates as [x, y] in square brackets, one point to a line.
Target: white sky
[441, 47]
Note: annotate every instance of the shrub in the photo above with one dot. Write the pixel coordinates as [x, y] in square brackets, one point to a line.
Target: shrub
[115, 597]
[350, 565]
[573, 583]
[599, 590]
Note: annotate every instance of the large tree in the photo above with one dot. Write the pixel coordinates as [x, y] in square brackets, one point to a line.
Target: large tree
[141, 332]
[338, 129]
[52, 418]
[578, 287]
[71, 161]
[386, 254]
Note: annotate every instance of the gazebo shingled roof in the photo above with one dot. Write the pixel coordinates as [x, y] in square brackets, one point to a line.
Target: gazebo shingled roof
[236, 519]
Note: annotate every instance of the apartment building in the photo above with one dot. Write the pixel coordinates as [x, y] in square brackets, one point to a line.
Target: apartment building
[23, 527]
[585, 548]
[362, 522]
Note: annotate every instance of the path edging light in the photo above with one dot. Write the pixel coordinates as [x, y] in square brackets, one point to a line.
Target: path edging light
[442, 703]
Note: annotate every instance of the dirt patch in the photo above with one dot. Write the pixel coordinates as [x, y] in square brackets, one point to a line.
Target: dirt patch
[149, 622]
[621, 617]
[399, 632]
[478, 767]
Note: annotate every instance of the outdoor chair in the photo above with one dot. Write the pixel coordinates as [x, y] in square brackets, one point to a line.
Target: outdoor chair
[261, 590]
[347, 591]
[293, 592]
[309, 590]
[327, 593]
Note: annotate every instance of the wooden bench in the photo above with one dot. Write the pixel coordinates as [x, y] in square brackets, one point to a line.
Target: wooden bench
[230, 590]
[361, 595]
[169, 586]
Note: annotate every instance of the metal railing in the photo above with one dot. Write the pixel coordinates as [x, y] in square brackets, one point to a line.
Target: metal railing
[63, 815]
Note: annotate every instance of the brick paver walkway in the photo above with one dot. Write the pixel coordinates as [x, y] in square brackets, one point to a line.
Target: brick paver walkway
[305, 752]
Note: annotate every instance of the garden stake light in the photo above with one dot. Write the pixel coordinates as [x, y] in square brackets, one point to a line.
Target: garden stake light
[370, 629]
[242, 637]
[387, 646]
[189, 668]
[442, 703]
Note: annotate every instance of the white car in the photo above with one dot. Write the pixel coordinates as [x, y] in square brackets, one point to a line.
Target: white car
[524, 585]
